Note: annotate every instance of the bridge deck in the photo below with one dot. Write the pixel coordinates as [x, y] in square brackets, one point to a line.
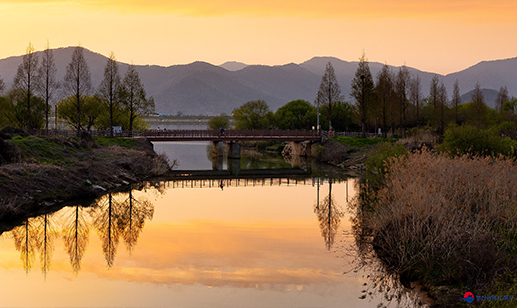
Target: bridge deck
[231, 135]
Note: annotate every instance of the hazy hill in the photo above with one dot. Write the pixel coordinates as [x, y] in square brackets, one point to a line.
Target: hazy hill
[490, 96]
[203, 88]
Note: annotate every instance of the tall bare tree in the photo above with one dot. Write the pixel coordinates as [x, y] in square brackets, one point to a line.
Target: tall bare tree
[48, 235]
[415, 94]
[329, 215]
[456, 100]
[363, 91]
[78, 81]
[478, 102]
[443, 102]
[433, 100]
[132, 219]
[329, 92]
[109, 87]
[384, 89]
[502, 97]
[27, 240]
[133, 97]
[2, 86]
[108, 226]
[401, 90]
[27, 79]
[49, 83]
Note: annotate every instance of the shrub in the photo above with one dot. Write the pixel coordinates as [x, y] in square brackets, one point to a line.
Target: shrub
[466, 139]
[448, 221]
[377, 163]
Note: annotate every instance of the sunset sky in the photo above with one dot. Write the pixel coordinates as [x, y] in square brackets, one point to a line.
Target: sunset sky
[437, 36]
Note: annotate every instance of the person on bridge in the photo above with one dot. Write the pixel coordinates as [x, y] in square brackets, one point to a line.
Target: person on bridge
[221, 132]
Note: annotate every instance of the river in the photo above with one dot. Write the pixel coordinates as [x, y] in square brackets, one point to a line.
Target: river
[256, 242]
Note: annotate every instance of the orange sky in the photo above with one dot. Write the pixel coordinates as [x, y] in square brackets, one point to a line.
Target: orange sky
[438, 36]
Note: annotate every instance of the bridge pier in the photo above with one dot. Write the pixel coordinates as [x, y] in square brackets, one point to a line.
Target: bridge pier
[234, 150]
[234, 165]
[217, 148]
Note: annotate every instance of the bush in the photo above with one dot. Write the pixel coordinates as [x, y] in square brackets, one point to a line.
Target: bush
[466, 139]
[377, 163]
[447, 221]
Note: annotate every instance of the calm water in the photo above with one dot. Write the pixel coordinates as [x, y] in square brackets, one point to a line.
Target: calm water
[238, 243]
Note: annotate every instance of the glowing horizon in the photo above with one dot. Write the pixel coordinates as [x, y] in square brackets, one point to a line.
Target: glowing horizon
[435, 36]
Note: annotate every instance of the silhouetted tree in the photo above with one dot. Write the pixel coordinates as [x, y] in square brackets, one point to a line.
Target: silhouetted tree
[384, 89]
[502, 97]
[363, 91]
[27, 79]
[442, 100]
[109, 88]
[415, 94]
[76, 236]
[329, 92]
[77, 82]
[401, 90]
[133, 97]
[433, 100]
[49, 83]
[2, 86]
[479, 105]
[456, 100]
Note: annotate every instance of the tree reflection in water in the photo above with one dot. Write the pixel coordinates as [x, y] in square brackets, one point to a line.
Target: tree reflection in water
[134, 213]
[108, 212]
[27, 240]
[111, 218]
[329, 215]
[76, 233]
[48, 235]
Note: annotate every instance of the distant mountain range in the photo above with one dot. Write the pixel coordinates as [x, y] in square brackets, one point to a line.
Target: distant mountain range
[203, 88]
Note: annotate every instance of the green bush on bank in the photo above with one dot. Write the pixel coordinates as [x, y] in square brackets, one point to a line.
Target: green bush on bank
[378, 160]
[362, 142]
[469, 140]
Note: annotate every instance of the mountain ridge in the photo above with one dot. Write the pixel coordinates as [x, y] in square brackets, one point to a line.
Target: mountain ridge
[204, 88]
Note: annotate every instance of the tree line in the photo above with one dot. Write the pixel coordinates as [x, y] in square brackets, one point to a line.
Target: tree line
[392, 102]
[116, 102]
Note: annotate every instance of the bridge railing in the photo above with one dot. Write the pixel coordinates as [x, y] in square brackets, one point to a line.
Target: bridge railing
[216, 134]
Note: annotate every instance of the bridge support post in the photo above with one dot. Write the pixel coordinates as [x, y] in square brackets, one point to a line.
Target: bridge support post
[234, 150]
[217, 163]
[234, 166]
[217, 148]
[296, 148]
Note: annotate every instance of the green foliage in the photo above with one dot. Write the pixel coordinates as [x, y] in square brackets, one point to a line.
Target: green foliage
[253, 115]
[91, 109]
[45, 151]
[344, 117]
[362, 142]
[298, 114]
[377, 163]
[467, 139]
[129, 143]
[217, 122]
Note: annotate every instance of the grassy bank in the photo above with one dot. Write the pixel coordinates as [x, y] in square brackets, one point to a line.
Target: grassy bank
[39, 173]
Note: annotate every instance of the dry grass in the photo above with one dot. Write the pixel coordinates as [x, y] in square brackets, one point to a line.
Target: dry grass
[448, 221]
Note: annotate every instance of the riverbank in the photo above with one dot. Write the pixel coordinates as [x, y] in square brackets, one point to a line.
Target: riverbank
[39, 174]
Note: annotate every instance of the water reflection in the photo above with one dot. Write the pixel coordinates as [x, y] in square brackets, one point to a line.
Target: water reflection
[27, 240]
[48, 235]
[132, 220]
[329, 215]
[76, 231]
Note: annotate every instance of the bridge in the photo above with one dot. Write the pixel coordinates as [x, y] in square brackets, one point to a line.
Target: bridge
[232, 138]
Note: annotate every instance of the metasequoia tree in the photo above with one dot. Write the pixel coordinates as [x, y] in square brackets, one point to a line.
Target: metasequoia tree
[27, 79]
[401, 89]
[76, 235]
[329, 92]
[502, 97]
[384, 89]
[456, 100]
[77, 81]
[363, 91]
[49, 83]
[133, 97]
[415, 95]
[109, 88]
[479, 105]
